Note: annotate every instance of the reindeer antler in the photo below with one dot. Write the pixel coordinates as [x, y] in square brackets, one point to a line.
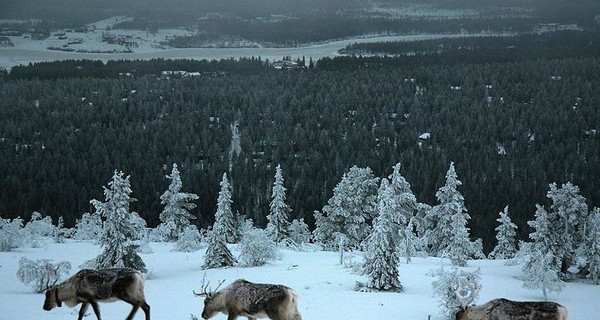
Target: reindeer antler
[205, 289]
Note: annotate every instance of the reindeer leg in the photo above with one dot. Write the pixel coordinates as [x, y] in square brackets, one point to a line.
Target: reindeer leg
[83, 309]
[96, 309]
[133, 311]
[146, 308]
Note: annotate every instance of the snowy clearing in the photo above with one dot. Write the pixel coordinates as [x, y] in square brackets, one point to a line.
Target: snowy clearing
[325, 288]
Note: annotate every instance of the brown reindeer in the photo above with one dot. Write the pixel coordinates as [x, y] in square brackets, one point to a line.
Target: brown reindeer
[251, 300]
[90, 286]
[500, 309]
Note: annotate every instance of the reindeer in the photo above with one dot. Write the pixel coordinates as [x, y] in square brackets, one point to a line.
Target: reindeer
[90, 286]
[501, 309]
[251, 300]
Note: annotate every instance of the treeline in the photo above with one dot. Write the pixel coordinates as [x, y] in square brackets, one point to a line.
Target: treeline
[132, 68]
[510, 128]
[484, 49]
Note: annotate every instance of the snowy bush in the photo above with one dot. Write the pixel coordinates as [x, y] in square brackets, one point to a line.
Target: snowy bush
[256, 248]
[40, 274]
[190, 240]
[11, 234]
[299, 233]
[455, 289]
[89, 227]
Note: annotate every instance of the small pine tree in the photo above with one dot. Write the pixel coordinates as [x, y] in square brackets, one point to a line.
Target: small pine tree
[506, 247]
[381, 258]
[60, 231]
[88, 227]
[40, 274]
[176, 213]
[542, 266]
[118, 232]
[451, 203]
[217, 254]
[256, 248]
[225, 222]
[349, 210]
[592, 252]
[299, 233]
[189, 240]
[410, 243]
[278, 225]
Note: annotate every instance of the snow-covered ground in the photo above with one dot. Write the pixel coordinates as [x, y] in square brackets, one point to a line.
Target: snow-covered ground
[325, 288]
[89, 45]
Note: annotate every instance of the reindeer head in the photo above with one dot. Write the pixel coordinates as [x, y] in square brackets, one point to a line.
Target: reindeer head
[211, 300]
[52, 300]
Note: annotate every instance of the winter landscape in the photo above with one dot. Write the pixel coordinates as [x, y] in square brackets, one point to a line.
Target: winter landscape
[384, 159]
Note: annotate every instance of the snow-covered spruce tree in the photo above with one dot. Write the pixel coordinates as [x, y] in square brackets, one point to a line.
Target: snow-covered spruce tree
[119, 231]
[60, 232]
[299, 233]
[450, 235]
[455, 289]
[176, 213]
[256, 248]
[568, 214]
[11, 234]
[217, 254]
[349, 211]
[225, 222]
[406, 202]
[542, 265]
[189, 240]
[40, 274]
[409, 244]
[506, 247]
[88, 227]
[381, 258]
[592, 247]
[278, 224]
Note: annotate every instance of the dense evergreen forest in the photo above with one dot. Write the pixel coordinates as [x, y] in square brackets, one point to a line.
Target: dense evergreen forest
[510, 127]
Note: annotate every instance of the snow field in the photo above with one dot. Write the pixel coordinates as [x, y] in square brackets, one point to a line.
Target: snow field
[325, 288]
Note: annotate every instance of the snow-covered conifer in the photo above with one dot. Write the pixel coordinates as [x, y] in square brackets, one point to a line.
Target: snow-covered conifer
[381, 258]
[217, 254]
[542, 265]
[409, 245]
[60, 231]
[348, 212]
[592, 252]
[40, 274]
[506, 247]
[406, 202]
[118, 232]
[176, 213]
[299, 233]
[256, 248]
[11, 234]
[88, 227]
[568, 213]
[190, 240]
[450, 235]
[225, 222]
[278, 224]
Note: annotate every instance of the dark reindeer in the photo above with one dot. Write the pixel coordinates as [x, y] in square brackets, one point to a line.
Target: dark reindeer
[90, 286]
[251, 300]
[513, 310]
[504, 309]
